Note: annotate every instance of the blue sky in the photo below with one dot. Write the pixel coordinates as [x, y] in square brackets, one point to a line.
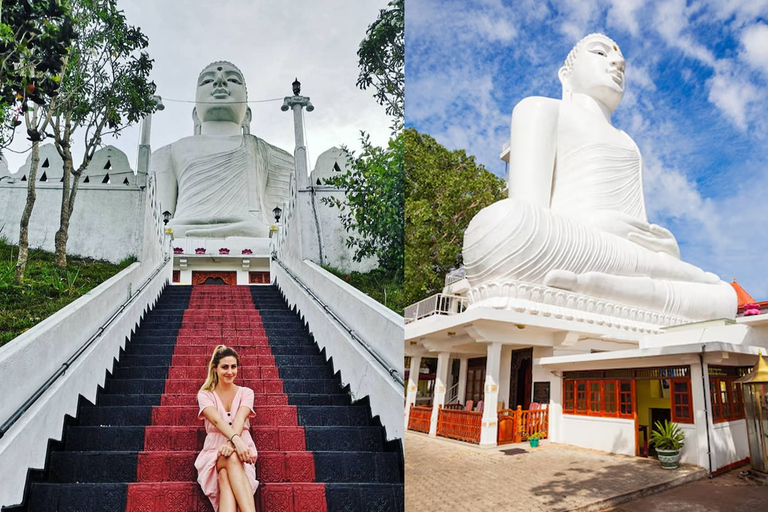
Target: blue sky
[696, 102]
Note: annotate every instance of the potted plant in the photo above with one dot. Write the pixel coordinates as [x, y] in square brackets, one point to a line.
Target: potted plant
[178, 250]
[668, 440]
[224, 250]
[533, 439]
[200, 250]
[247, 251]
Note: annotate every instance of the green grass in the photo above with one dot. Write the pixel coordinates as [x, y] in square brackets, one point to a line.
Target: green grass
[378, 285]
[46, 289]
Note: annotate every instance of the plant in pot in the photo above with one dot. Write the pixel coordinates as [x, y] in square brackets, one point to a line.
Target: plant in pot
[668, 440]
[533, 439]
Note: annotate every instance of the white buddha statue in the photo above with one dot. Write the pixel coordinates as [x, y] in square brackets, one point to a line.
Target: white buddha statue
[575, 218]
[221, 181]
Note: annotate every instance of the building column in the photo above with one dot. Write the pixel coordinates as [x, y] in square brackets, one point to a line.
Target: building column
[441, 378]
[506, 370]
[413, 387]
[463, 369]
[490, 426]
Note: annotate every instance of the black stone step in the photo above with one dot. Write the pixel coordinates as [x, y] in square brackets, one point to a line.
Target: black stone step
[359, 497]
[356, 467]
[49, 497]
[330, 415]
[334, 439]
[82, 438]
[93, 466]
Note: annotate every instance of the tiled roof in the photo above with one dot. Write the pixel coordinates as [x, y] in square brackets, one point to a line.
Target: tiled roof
[741, 294]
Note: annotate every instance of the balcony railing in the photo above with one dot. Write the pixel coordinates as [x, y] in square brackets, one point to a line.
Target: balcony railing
[438, 304]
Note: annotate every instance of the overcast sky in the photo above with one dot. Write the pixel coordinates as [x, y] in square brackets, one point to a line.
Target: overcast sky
[272, 43]
[696, 102]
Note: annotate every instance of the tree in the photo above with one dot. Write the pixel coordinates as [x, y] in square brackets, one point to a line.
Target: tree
[32, 122]
[34, 37]
[382, 59]
[443, 191]
[104, 89]
[373, 208]
[374, 205]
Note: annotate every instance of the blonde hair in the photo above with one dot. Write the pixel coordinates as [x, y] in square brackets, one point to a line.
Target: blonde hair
[219, 353]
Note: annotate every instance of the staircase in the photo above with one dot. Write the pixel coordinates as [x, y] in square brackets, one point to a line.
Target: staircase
[134, 449]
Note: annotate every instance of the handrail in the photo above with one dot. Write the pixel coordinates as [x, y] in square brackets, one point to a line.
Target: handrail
[453, 394]
[393, 372]
[65, 366]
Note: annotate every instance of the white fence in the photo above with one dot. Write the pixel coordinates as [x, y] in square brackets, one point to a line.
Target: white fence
[438, 304]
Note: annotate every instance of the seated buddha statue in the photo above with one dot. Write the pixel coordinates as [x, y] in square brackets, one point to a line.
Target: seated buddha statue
[575, 218]
[221, 181]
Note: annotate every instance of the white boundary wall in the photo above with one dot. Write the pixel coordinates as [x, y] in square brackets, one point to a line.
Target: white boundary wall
[30, 359]
[380, 327]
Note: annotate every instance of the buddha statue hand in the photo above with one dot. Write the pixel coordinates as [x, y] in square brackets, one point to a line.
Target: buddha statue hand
[650, 236]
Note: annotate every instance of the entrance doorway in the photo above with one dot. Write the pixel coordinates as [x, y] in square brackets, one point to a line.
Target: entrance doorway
[475, 380]
[653, 404]
[222, 277]
[521, 379]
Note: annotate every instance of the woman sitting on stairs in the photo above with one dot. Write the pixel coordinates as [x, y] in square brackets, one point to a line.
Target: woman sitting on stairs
[225, 466]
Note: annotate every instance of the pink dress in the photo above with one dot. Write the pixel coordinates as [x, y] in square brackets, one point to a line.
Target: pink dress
[207, 474]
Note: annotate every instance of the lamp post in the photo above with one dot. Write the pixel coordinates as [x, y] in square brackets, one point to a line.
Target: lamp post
[277, 212]
[297, 103]
[166, 217]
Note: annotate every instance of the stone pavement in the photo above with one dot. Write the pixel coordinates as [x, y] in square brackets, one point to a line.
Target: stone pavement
[725, 493]
[443, 475]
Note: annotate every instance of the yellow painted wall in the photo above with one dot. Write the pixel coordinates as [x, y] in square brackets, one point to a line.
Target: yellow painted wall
[649, 397]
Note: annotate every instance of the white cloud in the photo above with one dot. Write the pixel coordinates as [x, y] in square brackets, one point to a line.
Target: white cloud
[672, 21]
[754, 42]
[623, 13]
[732, 95]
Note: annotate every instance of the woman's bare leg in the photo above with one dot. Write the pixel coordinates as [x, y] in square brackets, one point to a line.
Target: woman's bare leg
[227, 502]
[241, 487]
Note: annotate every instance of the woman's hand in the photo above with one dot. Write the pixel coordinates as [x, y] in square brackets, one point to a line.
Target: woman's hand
[226, 450]
[242, 450]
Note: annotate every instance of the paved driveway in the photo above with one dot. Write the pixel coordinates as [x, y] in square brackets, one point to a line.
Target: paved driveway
[442, 475]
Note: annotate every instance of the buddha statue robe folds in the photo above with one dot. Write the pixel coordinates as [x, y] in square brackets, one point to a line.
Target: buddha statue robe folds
[575, 219]
[222, 181]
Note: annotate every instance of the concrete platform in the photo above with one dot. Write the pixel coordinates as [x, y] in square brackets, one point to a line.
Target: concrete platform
[443, 475]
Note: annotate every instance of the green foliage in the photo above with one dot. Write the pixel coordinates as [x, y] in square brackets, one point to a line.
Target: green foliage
[106, 80]
[379, 285]
[46, 288]
[667, 436]
[34, 38]
[373, 210]
[382, 59]
[443, 191]
[537, 435]
[104, 89]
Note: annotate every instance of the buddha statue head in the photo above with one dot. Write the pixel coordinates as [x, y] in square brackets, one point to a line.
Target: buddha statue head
[221, 96]
[595, 68]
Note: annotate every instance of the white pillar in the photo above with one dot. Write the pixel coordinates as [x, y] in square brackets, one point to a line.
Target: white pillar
[506, 369]
[413, 386]
[463, 368]
[490, 427]
[441, 377]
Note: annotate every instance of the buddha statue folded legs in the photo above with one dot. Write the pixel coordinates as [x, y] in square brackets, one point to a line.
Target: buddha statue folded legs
[575, 219]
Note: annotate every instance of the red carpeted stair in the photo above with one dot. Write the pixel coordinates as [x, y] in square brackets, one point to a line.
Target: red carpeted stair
[222, 315]
[134, 449]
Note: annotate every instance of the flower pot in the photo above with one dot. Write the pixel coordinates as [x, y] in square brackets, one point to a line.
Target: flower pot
[668, 458]
[534, 442]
